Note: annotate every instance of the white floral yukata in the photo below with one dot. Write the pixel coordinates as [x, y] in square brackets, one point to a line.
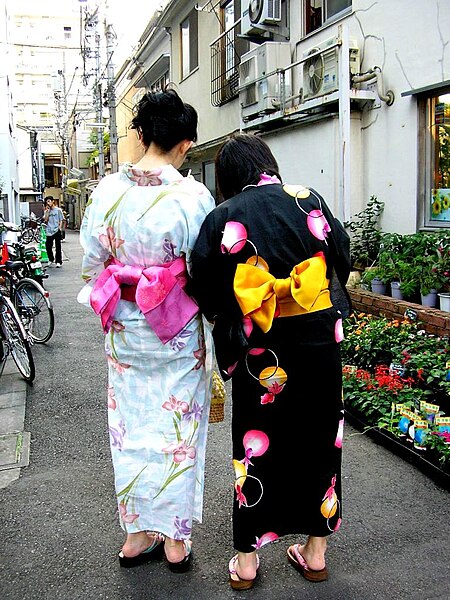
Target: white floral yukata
[158, 393]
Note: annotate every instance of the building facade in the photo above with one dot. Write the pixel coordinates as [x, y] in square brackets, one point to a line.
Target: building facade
[350, 103]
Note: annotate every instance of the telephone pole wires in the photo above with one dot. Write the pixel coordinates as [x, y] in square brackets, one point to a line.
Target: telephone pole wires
[111, 97]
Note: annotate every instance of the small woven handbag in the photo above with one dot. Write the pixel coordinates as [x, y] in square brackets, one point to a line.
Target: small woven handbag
[217, 412]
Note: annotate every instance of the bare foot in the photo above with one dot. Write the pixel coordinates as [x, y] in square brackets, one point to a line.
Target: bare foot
[138, 542]
[175, 550]
[314, 552]
[246, 566]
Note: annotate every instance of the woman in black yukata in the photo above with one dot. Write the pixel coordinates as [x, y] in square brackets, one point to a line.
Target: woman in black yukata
[269, 269]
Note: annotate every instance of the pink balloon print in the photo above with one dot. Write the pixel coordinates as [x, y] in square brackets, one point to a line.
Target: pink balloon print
[234, 237]
[265, 539]
[255, 442]
[340, 434]
[317, 224]
[338, 331]
[247, 324]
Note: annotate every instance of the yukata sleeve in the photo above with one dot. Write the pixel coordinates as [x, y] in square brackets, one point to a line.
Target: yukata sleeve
[207, 275]
[202, 204]
[95, 254]
[339, 245]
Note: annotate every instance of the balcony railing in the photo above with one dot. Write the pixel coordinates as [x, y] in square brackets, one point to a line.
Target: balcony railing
[226, 52]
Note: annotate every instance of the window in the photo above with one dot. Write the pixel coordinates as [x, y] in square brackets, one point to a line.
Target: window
[320, 12]
[437, 153]
[226, 54]
[189, 44]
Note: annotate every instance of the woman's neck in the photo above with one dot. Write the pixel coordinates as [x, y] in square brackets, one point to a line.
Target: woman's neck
[153, 159]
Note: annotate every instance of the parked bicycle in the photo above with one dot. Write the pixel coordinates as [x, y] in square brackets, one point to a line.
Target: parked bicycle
[31, 228]
[30, 299]
[14, 341]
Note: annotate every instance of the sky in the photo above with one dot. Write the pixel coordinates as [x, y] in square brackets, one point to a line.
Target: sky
[129, 25]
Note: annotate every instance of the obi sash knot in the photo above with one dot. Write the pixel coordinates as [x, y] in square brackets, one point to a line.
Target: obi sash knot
[157, 290]
[262, 297]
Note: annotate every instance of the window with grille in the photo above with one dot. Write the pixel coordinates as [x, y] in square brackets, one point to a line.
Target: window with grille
[226, 54]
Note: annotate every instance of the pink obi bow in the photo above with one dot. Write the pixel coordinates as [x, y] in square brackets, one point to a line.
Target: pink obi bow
[158, 292]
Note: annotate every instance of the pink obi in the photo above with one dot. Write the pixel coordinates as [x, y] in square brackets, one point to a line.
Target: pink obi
[158, 292]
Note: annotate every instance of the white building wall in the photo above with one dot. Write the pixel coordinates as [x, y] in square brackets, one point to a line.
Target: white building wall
[8, 151]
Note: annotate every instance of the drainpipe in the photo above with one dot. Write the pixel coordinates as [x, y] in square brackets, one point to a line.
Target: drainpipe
[344, 125]
[375, 73]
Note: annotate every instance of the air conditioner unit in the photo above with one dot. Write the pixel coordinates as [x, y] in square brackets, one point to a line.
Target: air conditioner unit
[321, 69]
[257, 97]
[256, 14]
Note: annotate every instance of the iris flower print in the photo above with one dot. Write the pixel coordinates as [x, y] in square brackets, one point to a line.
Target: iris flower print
[177, 343]
[200, 353]
[175, 405]
[195, 412]
[112, 404]
[117, 435]
[126, 518]
[234, 237]
[144, 178]
[169, 251]
[265, 539]
[180, 451]
[117, 366]
[117, 326]
[183, 530]
[109, 241]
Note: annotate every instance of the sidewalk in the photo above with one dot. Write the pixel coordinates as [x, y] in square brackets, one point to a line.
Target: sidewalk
[59, 529]
[14, 441]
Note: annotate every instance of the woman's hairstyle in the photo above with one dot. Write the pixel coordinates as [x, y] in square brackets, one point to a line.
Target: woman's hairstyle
[164, 119]
[240, 162]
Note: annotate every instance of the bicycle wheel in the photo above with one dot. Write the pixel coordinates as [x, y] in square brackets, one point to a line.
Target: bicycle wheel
[35, 310]
[27, 235]
[15, 338]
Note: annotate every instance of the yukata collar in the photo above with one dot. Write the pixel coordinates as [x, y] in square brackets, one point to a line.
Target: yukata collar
[158, 176]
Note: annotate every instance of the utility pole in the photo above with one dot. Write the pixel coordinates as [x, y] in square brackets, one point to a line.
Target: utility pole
[99, 102]
[111, 97]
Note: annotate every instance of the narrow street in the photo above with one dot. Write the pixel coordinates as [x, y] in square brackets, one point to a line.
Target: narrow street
[58, 524]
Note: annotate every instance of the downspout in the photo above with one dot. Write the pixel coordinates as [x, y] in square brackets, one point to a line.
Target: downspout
[344, 125]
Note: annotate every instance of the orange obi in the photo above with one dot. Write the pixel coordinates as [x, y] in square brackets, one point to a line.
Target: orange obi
[262, 297]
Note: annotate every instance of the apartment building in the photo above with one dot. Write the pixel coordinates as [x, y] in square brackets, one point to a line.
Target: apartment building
[350, 102]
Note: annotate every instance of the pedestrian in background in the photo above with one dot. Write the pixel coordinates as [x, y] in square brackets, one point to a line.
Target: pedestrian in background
[54, 222]
[138, 233]
[64, 223]
[262, 271]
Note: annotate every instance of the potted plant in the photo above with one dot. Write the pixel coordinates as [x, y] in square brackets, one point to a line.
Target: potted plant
[365, 234]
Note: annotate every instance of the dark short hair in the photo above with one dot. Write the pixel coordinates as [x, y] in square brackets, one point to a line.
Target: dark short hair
[240, 162]
[164, 119]
[48, 198]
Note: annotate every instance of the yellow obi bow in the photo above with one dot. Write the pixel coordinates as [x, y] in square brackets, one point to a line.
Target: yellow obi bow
[262, 297]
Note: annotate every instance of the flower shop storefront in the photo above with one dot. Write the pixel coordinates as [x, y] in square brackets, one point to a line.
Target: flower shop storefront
[396, 380]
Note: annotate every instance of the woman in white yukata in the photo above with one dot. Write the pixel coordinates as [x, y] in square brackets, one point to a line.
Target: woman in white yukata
[138, 232]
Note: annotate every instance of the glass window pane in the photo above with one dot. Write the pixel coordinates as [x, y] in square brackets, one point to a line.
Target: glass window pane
[313, 15]
[336, 6]
[185, 48]
[440, 158]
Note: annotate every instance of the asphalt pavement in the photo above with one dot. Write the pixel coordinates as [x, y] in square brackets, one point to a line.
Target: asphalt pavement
[59, 531]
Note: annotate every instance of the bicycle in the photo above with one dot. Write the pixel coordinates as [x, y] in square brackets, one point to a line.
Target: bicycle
[31, 301]
[13, 340]
[31, 228]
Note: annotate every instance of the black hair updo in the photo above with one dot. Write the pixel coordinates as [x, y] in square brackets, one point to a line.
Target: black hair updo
[164, 119]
